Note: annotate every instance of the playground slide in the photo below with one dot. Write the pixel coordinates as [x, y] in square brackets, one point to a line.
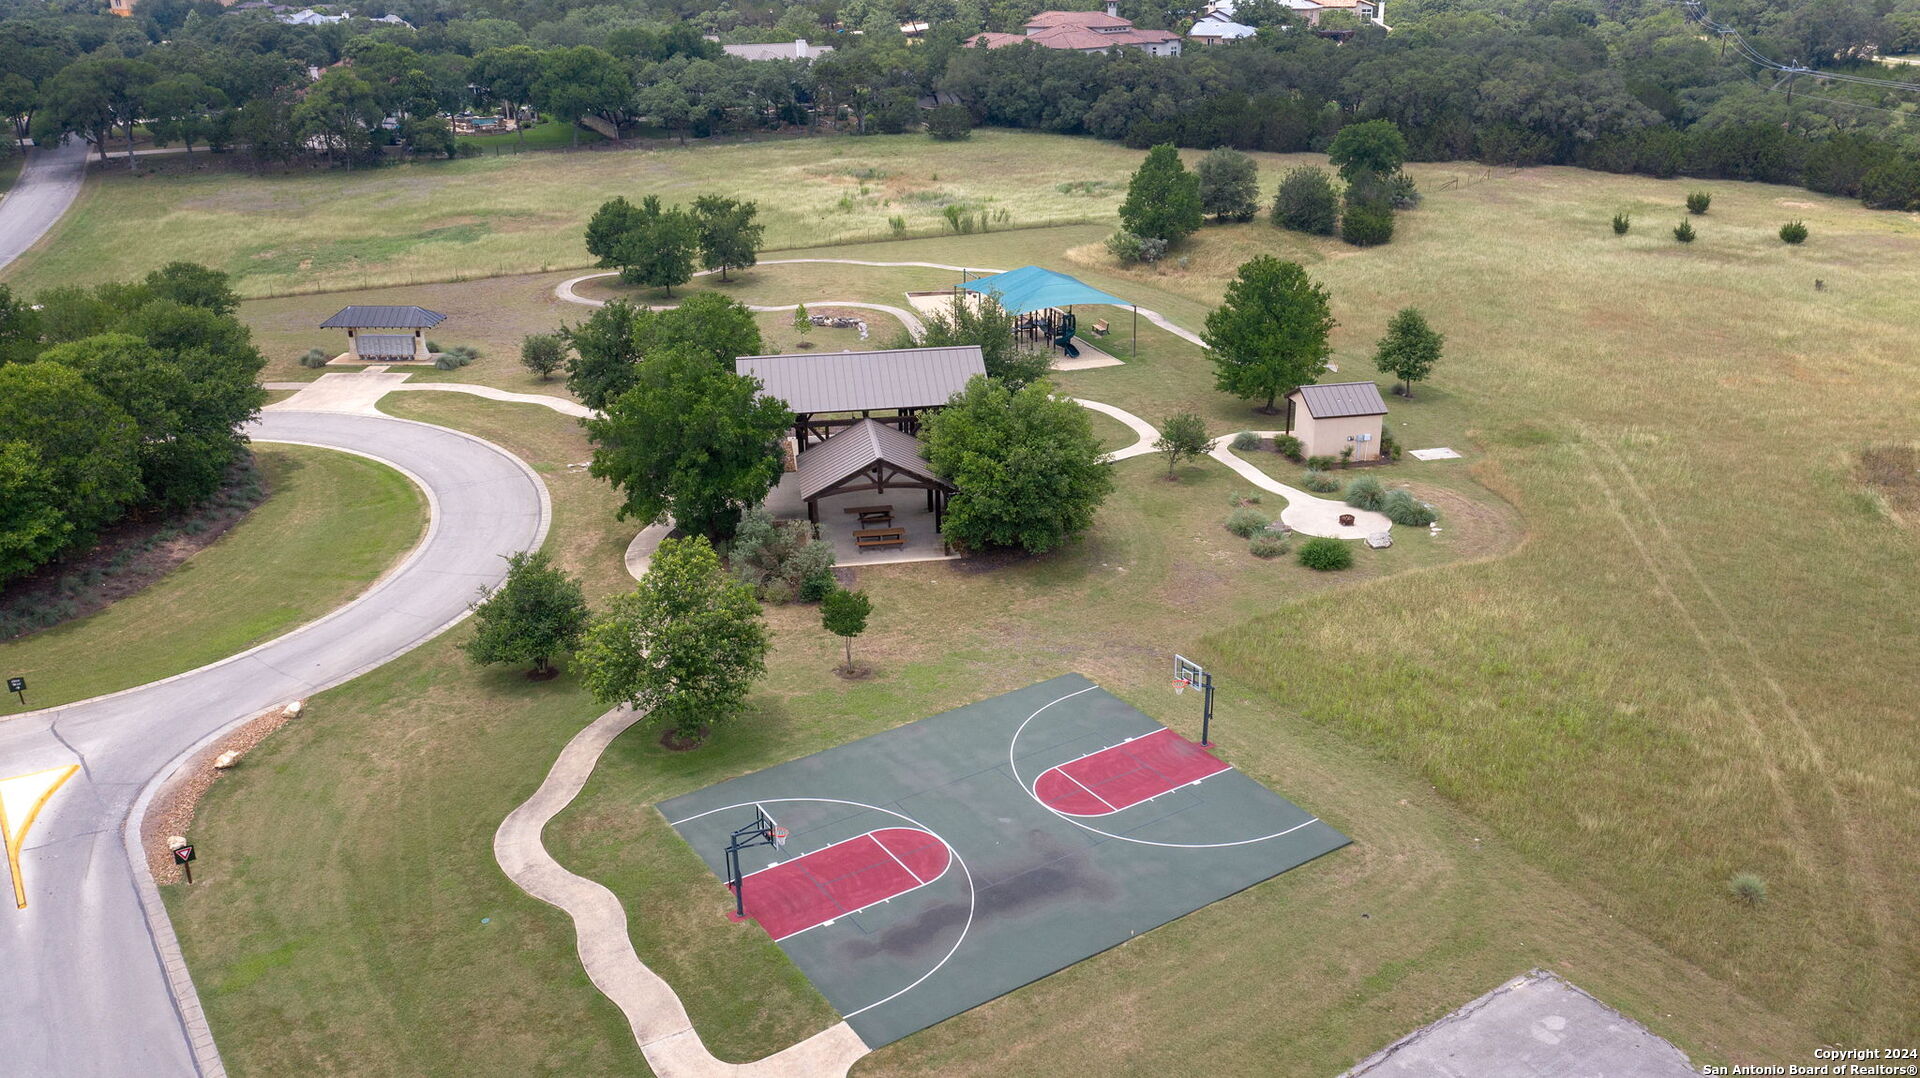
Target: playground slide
[1065, 343]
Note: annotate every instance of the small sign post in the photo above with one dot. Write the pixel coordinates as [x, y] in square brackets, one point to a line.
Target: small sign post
[18, 686]
[183, 856]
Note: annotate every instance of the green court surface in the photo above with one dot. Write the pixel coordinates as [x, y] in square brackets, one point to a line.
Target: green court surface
[939, 865]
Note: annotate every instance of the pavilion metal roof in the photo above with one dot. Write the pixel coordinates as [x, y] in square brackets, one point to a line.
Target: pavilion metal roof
[852, 450]
[1337, 399]
[376, 317]
[865, 381]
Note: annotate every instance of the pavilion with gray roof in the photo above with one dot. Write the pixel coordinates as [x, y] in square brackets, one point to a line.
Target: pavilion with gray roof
[869, 456]
[389, 346]
[829, 391]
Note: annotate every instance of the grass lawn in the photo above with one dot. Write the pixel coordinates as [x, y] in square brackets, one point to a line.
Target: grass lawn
[484, 216]
[545, 136]
[1677, 646]
[333, 523]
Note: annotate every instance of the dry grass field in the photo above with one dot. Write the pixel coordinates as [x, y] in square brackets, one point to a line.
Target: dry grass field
[1665, 638]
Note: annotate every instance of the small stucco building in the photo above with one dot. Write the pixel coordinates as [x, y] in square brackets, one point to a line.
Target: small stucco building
[385, 334]
[1329, 419]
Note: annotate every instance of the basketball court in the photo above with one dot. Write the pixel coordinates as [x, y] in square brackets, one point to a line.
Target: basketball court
[920, 872]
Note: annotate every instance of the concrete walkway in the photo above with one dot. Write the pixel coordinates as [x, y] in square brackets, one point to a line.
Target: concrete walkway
[1308, 514]
[564, 290]
[352, 394]
[660, 1024]
[558, 404]
[1140, 427]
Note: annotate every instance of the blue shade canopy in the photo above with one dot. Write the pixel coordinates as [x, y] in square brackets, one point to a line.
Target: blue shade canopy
[1034, 289]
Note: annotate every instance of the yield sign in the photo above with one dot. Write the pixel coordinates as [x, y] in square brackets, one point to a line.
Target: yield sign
[21, 799]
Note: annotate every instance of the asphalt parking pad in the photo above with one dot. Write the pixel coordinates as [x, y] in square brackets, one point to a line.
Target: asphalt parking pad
[923, 875]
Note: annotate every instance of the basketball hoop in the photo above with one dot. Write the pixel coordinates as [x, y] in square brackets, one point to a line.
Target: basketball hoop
[1179, 685]
[779, 837]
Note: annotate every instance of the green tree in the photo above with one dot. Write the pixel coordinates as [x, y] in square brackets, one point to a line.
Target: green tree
[684, 646]
[1027, 470]
[507, 75]
[650, 244]
[728, 234]
[536, 613]
[1374, 148]
[1163, 198]
[989, 325]
[1269, 336]
[1229, 185]
[93, 96]
[19, 328]
[1183, 437]
[1410, 348]
[717, 326]
[689, 439]
[87, 445]
[802, 322]
[1307, 202]
[182, 107]
[33, 526]
[606, 350]
[844, 614]
[193, 285]
[581, 81]
[543, 353]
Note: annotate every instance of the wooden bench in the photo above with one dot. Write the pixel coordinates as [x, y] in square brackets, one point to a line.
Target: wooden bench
[878, 537]
[865, 509]
[1100, 328]
[876, 520]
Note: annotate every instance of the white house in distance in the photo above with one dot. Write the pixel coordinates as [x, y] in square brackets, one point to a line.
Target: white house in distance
[1373, 11]
[1085, 31]
[798, 49]
[405, 337]
[1330, 419]
[1215, 27]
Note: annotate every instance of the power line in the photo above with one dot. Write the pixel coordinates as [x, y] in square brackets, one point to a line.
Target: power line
[1696, 11]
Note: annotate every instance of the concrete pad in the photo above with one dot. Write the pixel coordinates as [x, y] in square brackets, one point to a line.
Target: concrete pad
[1308, 514]
[1441, 453]
[351, 393]
[837, 527]
[1535, 1026]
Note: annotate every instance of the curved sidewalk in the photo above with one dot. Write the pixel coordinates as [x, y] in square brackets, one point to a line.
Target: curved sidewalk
[1308, 514]
[660, 1023]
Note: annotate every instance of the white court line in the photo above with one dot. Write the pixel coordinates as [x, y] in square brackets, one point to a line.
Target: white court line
[1013, 745]
[877, 901]
[973, 892]
[903, 864]
[1155, 797]
[1111, 807]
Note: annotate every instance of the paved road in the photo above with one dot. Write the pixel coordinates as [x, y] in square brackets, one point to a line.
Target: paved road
[83, 991]
[46, 187]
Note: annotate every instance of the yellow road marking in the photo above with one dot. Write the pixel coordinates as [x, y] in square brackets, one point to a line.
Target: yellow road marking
[21, 798]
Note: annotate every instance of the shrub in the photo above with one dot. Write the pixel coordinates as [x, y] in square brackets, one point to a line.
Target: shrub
[1366, 493]
[1389, 445]
[1748, 888]
[1325, 554]
[1793, 232]
[1246, 439]
[1307, 202]
[1132, 250]
[818, 586]
[767, 552]
[1324, 464]
[1401, 192]
[314, 358]
[1318, 481]
[1621, 222]
[1684, 232]
[1698, 201]
[1367, 224]
[1246, 523]
[1287, 446]
[1269, 546]
[950, 123]
[898, 225]
[543, 353]
[1402, 507]
[1243, 497]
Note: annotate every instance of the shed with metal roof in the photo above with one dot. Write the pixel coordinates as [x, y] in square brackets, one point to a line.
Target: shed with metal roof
[1334, 418]
[839, 389]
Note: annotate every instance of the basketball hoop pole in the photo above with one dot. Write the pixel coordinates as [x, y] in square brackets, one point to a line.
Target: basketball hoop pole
[757, 833]
[1186, 673]
[1206, 711]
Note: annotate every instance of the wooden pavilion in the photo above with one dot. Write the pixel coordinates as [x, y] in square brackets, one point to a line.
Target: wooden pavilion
[890, 387]
[869, 455]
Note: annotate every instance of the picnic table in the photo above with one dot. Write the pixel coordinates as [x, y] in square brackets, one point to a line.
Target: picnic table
[872, 514]
[869, 538]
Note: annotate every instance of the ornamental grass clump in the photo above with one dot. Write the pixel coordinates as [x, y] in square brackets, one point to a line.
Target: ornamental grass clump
[1366, 493]
[1246, 523]
[1268, 545]
[1325, 555]
[1402, 507]
[1245, 440]
[1318, 481]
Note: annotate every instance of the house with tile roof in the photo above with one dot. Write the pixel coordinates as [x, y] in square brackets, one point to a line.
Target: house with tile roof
[1085, 31]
